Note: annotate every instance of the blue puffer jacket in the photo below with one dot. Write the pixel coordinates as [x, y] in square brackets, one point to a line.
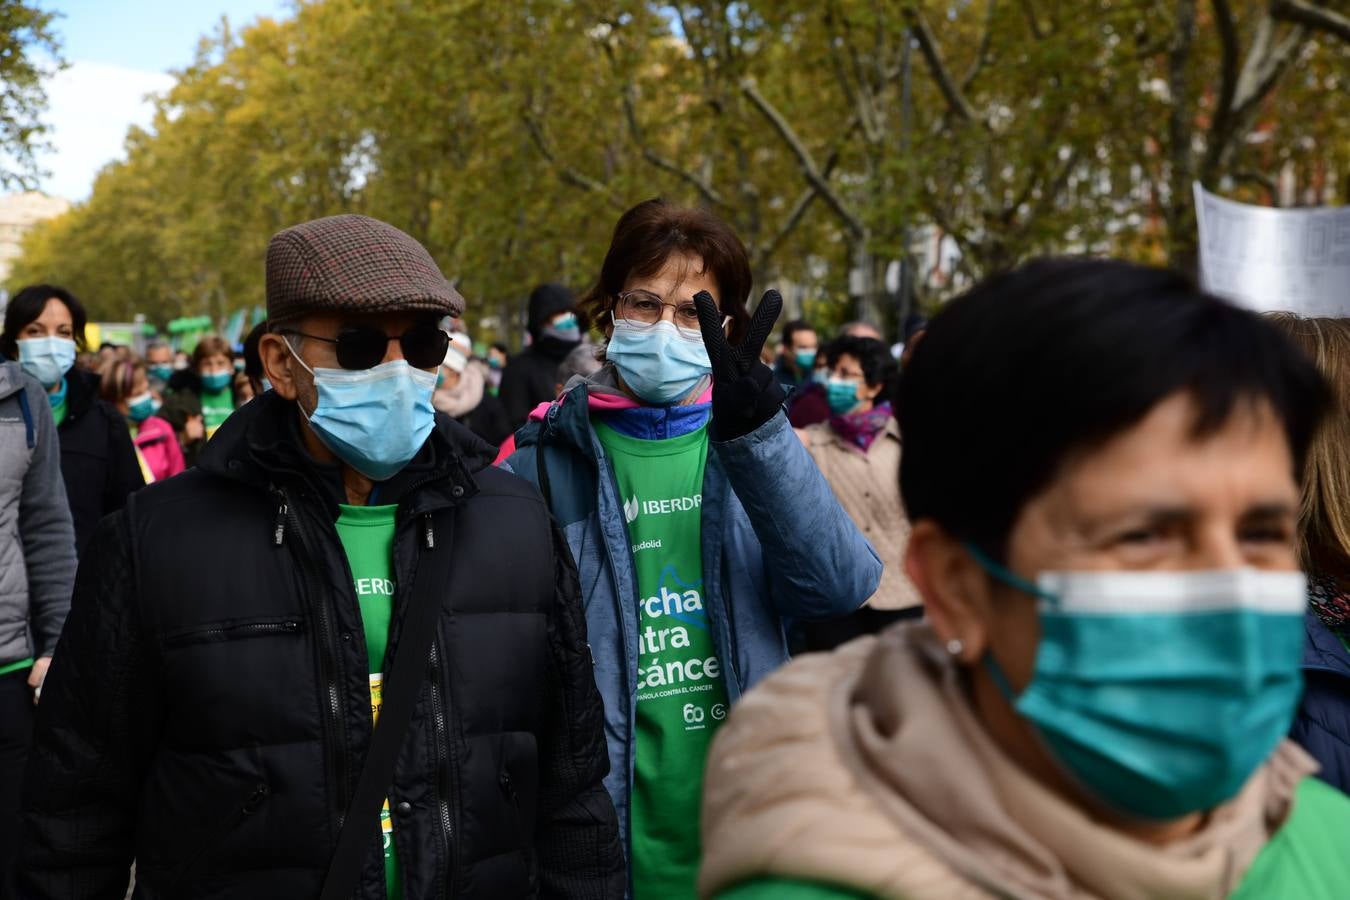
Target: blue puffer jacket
[776, 546]
[1323, 722]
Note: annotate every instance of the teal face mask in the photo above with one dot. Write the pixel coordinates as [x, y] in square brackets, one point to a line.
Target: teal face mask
[806, 359]
[141, 407]
[1161, 693]
[217, 381]
[564, 328]
[163, 371]
[841, 394]
[47, 359]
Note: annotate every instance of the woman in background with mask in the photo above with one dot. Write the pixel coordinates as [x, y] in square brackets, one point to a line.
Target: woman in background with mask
[201, 397]
[858, 451]
[126, 386]
[696, 517]
[44, 331]
[1101, 465]
[1323, 722]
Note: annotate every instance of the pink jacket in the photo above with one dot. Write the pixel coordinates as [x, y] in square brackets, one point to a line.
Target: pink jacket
[158, 446]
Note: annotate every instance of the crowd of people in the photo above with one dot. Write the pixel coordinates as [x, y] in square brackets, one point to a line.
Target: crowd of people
[1051, 599]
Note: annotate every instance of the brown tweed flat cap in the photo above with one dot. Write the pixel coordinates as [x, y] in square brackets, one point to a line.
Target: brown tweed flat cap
[353, 264]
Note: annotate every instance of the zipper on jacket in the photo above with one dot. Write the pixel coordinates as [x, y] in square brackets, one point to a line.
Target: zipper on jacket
[225, 632]
[442, 768]
[330, 666]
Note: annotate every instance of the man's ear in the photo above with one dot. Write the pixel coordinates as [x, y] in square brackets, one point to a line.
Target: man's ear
[956, 592]
[278, 363]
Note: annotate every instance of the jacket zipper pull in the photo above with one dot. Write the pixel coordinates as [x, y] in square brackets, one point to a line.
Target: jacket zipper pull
[279, 533]
[429, 531]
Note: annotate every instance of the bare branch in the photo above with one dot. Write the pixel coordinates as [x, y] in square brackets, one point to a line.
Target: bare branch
[809, 170]
[1311, 16]
[1221, 125]
[1033, 23]
[796, 213]
[956, 100]
[568, 174]
[855, 88]
[709, 193]
[981, 54]
[1265, 64]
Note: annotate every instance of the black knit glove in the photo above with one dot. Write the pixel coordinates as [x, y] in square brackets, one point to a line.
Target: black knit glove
[745, 393]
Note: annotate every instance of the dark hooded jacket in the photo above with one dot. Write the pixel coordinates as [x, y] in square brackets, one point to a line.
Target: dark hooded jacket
[208, 712]
[531, 376]
[1322, 725]
[98, 460]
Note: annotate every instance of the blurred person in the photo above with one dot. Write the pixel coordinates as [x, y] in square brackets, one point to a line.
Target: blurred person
[201, 397]
[698, 520]
[242, 388]
[796, 360]
[37, 569]
[126, 387]
[1109, 565]
[496, 361]
[106, 353]
[211, 712]
[159, 360]
[860, 329]
[181, 360]
[43, 330]
[461, 393]
[1323, 722]
[583, 361]
[554, 330]
[257, 378]
[858, 452]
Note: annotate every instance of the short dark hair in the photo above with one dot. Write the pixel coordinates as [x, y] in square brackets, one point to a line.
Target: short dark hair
[654, 231]
[791, 328]
[28, 304]
[1061, 355]
[873, 356]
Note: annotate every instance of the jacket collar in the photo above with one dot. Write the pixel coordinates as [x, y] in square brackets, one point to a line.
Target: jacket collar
[81, 391]
[260, 445]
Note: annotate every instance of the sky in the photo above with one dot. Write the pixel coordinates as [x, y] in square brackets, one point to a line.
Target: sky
[118, 53]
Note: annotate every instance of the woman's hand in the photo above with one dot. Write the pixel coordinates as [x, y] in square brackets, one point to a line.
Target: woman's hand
[745, 393]
[38, 675]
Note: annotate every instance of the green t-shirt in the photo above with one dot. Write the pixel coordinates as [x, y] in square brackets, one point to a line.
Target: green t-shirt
[216, 408]
[367, 534]
[681, 698]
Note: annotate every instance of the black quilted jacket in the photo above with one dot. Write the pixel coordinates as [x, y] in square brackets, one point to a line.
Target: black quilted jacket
[208, 711]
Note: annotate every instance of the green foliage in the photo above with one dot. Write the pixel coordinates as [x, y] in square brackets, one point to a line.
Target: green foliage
[509, 137]
[26, 37]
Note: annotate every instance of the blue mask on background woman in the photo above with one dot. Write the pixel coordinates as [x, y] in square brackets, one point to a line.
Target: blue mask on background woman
[1162, 692]
[841, 394]
[374, 419]
[216, 381]
[658, 363]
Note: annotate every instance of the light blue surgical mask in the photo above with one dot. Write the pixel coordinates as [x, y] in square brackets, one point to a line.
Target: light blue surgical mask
[1161, 693]
[217, 381]
[375, 419]
[162, 371]
[47, 359]
[266, 385]
[658, 363]
[841, 394]
[141, 407]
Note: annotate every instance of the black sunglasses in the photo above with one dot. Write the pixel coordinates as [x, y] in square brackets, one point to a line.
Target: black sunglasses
[363, 346]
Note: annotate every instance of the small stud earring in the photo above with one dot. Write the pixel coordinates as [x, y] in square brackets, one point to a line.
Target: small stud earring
[954, 646]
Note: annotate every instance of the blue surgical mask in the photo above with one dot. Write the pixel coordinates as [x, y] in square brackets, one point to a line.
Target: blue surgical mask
[375, 419]
[47, 359]
[266, 385]
[217, 381]
[1161, 693]
[163, 371]
[805, 359]
[141, 407]
[658, 363]
[841, 394]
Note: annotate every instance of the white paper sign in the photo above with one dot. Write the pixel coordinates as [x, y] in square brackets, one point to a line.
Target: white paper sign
[1297, 260]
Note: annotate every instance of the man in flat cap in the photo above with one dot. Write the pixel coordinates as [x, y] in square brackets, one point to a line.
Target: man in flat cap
[381, 686]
